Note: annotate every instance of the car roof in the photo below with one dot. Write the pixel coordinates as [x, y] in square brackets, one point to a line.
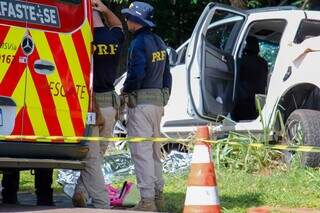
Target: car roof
[271, 9]
[258, 10]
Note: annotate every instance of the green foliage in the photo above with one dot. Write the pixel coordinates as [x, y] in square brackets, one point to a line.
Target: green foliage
[176, 19]
[244, 157]
[298, 3]
[254, 4]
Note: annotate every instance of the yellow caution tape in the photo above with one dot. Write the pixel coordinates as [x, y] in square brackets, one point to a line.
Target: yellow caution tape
[158, 140]
[274, 147]
[92, 139]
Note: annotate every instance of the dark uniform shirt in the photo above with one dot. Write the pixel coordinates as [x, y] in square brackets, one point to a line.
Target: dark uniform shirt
[148, 63]
[107, 45]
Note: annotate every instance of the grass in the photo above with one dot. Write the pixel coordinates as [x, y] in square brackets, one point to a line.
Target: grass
[295, 188]
[247, 177]
[239, 190]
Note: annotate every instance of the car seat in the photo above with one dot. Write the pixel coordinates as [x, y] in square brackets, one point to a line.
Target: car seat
[253, 76]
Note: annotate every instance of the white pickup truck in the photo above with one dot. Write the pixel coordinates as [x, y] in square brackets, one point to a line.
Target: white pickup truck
[227, 74]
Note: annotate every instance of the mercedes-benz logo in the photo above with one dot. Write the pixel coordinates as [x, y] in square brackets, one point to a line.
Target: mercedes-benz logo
[27, 45]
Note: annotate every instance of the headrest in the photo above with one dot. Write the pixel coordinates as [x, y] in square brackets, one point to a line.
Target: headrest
[252, 45]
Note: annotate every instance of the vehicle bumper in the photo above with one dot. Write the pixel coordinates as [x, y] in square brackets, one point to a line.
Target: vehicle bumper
[27, 163]
[37, 150]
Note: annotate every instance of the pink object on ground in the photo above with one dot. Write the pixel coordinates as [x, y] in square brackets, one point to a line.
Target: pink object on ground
[126, 197]
[113, 193]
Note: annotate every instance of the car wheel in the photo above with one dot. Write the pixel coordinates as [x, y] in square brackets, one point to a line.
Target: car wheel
[166, 148]
[302, 128]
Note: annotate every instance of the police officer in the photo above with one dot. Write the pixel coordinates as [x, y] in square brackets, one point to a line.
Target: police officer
[147, 85]
[42, 181]
[107, 45]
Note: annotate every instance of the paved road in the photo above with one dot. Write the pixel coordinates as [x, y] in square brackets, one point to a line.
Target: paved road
[63, 204]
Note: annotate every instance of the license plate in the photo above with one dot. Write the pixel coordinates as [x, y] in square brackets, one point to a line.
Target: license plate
[1, 118]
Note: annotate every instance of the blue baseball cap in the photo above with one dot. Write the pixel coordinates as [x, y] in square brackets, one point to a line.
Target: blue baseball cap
[141, 13]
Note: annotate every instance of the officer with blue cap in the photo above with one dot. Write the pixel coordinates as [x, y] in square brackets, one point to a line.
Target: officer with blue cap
[147, 86]
[141, 13]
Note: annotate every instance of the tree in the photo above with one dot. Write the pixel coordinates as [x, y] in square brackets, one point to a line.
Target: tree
[176, 19]
[313, 4]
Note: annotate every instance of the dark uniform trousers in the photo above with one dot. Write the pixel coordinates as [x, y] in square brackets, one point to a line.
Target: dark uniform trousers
[43, 182]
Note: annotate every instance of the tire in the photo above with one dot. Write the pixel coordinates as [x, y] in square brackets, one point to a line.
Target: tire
[168, 147]
[302, 128]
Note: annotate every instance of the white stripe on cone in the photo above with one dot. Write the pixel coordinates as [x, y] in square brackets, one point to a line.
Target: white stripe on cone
[201, 154]
[202, 196]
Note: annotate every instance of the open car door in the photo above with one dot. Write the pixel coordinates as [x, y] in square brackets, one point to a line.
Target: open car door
[210, 61]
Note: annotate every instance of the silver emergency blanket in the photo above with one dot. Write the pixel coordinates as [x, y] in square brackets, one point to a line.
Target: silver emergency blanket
[176, 162]
[120, 165]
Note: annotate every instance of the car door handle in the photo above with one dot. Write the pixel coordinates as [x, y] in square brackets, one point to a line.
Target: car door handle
[43, 67]
[288, 74]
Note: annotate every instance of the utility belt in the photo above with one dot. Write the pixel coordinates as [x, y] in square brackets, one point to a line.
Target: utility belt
[108, 99]
[158, 97]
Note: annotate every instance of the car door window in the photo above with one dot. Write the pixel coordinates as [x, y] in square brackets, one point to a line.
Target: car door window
[223, 31]
[219, 35]
[210, 60]
[308, 28]
[218, 71]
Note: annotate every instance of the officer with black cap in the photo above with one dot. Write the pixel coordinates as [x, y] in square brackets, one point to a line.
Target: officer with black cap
[107, 45]
[147, 86]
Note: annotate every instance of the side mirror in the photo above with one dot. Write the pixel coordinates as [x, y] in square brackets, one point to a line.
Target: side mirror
[173, 56]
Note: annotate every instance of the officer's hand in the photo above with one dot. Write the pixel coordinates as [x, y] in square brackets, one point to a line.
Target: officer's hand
[98, 5]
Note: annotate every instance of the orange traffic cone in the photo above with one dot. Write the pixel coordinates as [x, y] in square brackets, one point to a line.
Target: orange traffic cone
[202, 193]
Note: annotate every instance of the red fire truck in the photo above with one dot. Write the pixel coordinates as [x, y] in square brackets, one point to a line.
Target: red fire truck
[45, 63]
